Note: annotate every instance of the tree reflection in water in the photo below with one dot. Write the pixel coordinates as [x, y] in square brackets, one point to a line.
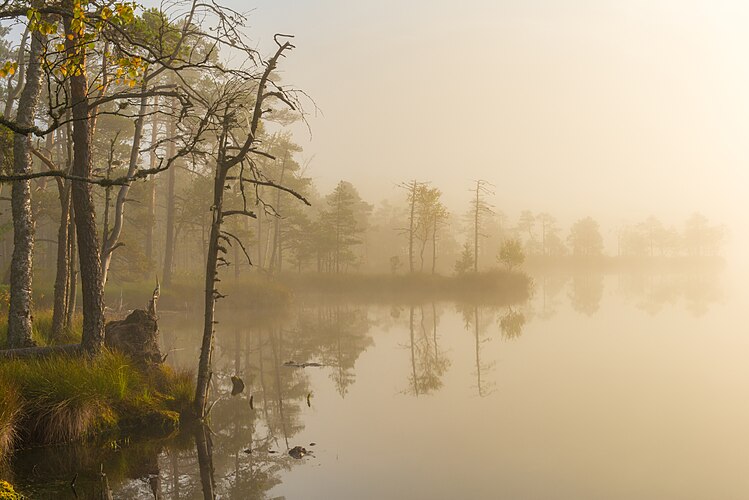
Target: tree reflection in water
[476, 321]
[586, 293]
[244, 454]
[428, 362]
[511, 324]
[652, 292]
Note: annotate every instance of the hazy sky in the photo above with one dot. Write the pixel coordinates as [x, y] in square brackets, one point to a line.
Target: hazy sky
[617, 109]
[575, 107]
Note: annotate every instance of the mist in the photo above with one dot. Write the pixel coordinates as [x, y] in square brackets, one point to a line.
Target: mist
[482, 249]
[616, 110]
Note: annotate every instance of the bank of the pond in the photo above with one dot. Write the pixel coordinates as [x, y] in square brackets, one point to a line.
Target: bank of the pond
[490, 287]
[257, 291]
[265, 292]
[61, 399]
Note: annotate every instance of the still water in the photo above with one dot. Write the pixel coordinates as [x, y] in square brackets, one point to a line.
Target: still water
[616, 386]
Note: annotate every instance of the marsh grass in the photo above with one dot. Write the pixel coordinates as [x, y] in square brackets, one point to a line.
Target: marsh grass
[62, 399]
[42, 328]
[252, 291]
[10, 410]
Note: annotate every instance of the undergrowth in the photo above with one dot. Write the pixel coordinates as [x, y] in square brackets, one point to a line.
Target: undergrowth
[42, 328]
[65, 398]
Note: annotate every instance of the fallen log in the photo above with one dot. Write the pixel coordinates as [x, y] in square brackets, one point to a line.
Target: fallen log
[40, 352]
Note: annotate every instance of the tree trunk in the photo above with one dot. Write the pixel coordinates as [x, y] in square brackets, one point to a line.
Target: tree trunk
[62, 276]
[171, 180]
[152, 188]
[476, 231]
[110, 240]
[434, 246]
[205, 462]
[478, 350]
[223, 165]
[275, 258]
[72, 290]
[19, 314]
[92, 340]
[211, 275]
[259, 218]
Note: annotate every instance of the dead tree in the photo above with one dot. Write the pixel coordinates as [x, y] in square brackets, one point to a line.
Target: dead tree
[412, 188]
[234, 163]
[479, 209]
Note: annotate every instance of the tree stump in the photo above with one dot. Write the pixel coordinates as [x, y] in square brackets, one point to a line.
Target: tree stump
[137, 336]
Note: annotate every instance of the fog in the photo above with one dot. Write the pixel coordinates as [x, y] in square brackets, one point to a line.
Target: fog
[358, 249]
[617, 109]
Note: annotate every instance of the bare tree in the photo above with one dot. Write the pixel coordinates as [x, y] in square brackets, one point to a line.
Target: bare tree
[479, 209]
[234, 154]
[412, 188]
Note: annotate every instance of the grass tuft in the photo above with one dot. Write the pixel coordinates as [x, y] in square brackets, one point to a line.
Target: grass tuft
[10, 410]
[42, 328]
[62, 398]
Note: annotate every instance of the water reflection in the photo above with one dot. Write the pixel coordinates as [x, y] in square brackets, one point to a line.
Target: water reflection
[653, 292]
[336, 335]
[428, 361]
[477, 321]
[436, 348]
[586, 292]
[550, 287]
[511, 324]
[648, 291]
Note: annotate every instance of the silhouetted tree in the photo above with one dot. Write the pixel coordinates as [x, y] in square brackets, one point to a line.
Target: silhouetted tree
[511, 254]
[480, 208]
[585, 238]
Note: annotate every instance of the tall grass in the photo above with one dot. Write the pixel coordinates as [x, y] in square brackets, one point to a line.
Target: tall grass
[42, 328]
[10, 410]
[63, 398]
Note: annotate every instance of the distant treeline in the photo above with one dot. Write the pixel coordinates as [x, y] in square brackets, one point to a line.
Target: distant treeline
[165, 233]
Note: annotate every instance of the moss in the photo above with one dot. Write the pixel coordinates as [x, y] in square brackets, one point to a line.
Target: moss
[162, 421]
[8, 493]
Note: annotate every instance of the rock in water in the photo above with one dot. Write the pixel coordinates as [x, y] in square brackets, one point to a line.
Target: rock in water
[298, 452]
[137, 336]
[237, 386]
